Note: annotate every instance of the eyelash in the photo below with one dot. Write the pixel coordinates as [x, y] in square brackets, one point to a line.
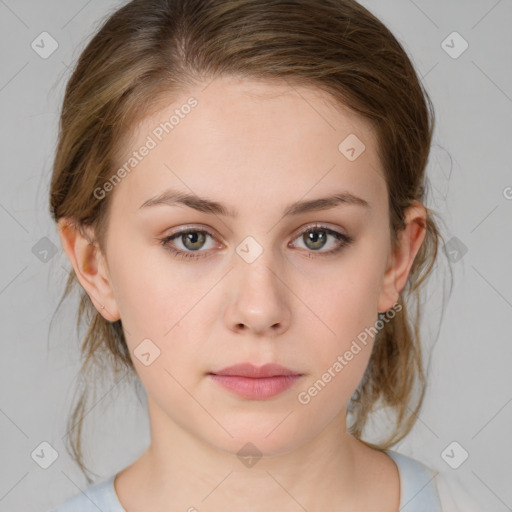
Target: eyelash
[344, 241]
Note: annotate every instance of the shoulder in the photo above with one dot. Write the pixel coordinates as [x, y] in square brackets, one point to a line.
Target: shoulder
[418, 490]
[100, 496]
[423, 488]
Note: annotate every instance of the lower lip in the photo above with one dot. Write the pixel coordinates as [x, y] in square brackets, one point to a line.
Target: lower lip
[256, 388]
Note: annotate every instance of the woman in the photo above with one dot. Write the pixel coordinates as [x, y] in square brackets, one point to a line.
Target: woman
[239, 186]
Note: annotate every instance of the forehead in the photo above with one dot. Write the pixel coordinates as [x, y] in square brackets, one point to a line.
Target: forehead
[251, 141]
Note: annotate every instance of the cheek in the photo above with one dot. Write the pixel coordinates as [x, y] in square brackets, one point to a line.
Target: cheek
[346, 308]
[158, 302]
[143, 285]
[347, 301]
[339, 356]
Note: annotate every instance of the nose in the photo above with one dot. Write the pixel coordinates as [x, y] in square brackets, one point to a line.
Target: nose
[259, 301]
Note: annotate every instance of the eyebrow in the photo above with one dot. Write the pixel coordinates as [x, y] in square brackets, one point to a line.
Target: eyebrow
[173, 197]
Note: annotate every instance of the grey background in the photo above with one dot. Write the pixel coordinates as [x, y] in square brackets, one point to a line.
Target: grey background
[470, 388]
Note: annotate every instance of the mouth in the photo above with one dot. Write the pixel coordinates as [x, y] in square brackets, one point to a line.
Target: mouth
[256, 383]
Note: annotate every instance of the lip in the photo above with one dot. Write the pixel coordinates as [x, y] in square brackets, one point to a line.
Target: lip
[256, 383]
[250, 370]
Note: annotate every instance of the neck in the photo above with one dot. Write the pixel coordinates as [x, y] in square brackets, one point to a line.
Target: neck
[188, 471]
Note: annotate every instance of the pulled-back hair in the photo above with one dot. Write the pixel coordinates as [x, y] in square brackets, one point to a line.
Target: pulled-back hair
[150, 49]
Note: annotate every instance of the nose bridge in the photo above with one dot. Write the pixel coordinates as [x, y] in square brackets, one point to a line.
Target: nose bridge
[259, 295]
[257, 273]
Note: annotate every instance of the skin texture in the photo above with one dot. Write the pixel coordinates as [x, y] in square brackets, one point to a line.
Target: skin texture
[255, 147]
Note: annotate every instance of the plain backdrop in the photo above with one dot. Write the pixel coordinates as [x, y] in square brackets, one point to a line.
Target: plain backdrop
[469, 396]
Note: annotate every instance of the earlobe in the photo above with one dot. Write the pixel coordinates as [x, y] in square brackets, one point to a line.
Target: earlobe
[410, 239]
[89, 265]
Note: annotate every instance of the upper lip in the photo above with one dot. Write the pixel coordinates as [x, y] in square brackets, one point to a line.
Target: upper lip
[249, 370]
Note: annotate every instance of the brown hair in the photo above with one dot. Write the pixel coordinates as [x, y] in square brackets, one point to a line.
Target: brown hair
[150, 48]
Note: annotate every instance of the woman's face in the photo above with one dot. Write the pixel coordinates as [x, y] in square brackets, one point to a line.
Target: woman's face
[250, 283]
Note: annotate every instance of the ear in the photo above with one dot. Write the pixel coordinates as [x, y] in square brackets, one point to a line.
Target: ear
[90, 266]
[401, 259]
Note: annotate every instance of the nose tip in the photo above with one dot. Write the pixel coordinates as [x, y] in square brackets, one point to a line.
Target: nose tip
[258, 299]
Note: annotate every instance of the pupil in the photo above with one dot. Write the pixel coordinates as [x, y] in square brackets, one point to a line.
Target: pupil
[193, 238]
[317, 237]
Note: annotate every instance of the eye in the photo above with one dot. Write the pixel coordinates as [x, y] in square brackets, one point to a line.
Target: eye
[191, 239]
[317, 237]
[314, 238]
